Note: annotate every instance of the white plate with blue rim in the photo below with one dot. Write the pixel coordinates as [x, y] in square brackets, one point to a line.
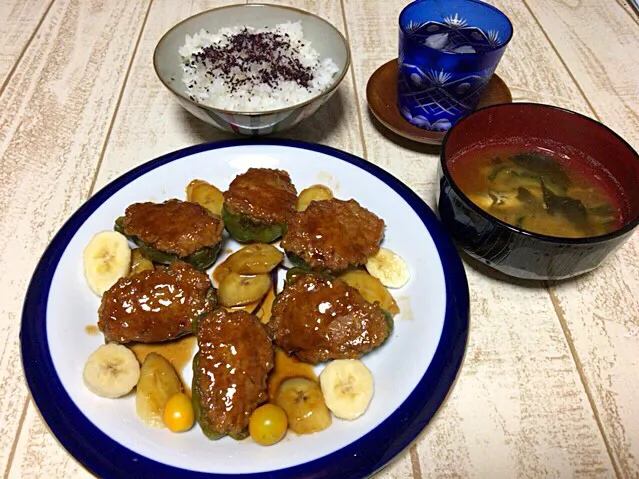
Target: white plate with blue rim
[413, 371]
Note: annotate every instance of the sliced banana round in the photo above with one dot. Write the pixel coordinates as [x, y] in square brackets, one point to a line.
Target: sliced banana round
[389, 268]
[347, 386]
[313, 193]
[107, 258]
[304, 404]
[111, 371]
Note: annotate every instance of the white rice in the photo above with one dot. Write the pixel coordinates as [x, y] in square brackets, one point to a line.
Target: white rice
[219, 90]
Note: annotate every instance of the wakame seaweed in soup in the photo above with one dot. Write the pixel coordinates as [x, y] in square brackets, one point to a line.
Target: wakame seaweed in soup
[539, 190]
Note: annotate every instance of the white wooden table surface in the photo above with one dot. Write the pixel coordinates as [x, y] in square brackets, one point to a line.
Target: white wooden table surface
[550, 382]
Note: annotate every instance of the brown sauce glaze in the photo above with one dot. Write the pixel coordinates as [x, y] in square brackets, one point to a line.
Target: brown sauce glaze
[287, 367]
[318, 318]
[92, 330]
[234, 358]
[175, 226]
[334, 234]
[219, 273]
[178, 352]
[265, 195]
[155, 305]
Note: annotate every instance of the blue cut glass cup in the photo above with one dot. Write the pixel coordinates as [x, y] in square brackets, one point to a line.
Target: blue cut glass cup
[448, 51]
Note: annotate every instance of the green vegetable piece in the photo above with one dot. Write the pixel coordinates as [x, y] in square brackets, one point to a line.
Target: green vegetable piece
[152, 253]
[390, 321]
[243, 229]
[300, 264]
[604, 209]
[543, 166]
[574, 210]
[201, 259]
[119, 226]
[295, 272]
[204, 257]
[297, 261]
[525, 196]
[507, 177]
[496, 171]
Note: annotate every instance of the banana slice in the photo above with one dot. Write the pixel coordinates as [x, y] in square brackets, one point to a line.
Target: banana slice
[111, 371]
[305, 409]
[158, 382]
[389, 268]
[313, 193]
[139, 262]
[107, 258]
[347, 386]
[199, 191]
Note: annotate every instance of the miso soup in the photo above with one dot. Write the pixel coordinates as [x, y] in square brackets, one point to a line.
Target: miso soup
[540, 191]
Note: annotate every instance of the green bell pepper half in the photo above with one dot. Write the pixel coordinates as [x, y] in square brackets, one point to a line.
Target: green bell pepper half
[201, 259]
[245, 230]
[390, 321]
[201, 418]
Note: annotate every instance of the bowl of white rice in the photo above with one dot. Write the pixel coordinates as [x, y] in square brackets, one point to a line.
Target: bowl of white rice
[252, 69]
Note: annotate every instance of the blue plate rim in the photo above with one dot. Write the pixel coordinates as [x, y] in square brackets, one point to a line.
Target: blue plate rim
[106, 458]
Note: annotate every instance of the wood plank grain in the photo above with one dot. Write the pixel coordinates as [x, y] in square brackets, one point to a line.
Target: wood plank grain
[631, 10]
[38, 455]
[20, 19]
[601, 309]
[604, 63]
[518, 408]
[54, 115]
[150, 121]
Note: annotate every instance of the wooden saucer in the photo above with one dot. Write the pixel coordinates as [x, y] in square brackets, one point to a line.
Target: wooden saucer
[381, 94]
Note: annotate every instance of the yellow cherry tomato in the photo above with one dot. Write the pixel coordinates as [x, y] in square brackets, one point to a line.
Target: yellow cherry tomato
[268, 424]
[178, 413]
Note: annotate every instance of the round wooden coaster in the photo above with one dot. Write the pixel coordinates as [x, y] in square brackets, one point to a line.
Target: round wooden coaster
[381, 94]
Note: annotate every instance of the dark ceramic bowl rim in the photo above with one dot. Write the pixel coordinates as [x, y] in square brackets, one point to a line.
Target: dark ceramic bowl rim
[627, 226]
[483, 4]
[330, 89]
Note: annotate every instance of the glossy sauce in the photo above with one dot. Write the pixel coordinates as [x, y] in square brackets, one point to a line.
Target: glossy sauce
[175, 226]
[178, 352]
[92, 330]
[219, 273]
[154, 306]
[407, 312]
[287, 367]
[264, 194]
[233, 361]
[265, 310]
[334, 234]
[318, 318]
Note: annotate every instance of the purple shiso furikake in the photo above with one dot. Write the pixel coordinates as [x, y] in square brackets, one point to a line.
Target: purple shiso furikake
[250, 59]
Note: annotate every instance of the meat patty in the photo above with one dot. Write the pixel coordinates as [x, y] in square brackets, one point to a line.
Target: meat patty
[229, 371]
[318, 318]
[155, 305]
[177, 227]
[333, 235]
[264, 195]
